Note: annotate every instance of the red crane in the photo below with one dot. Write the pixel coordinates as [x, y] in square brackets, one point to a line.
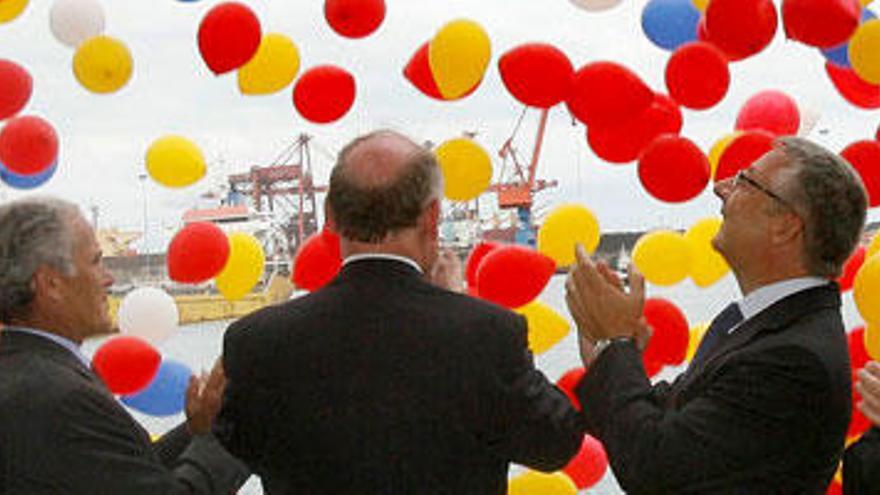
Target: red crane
[517, 184]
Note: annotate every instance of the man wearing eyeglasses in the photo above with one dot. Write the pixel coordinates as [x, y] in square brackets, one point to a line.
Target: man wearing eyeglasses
[764, 405]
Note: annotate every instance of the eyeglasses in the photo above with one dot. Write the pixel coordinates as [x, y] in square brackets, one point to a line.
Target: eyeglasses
[741, 177]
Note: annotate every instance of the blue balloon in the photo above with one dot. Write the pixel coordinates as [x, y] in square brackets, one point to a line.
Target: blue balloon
[19, 181]
[670, 23]
[166, 394]
[839, 55]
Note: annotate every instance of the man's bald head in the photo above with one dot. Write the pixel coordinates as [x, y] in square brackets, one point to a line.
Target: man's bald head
[380, 184]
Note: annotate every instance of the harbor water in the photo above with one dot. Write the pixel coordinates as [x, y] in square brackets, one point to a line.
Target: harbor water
[200, 344]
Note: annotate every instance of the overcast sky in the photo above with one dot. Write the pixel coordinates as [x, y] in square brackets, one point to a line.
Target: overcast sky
[104, 137]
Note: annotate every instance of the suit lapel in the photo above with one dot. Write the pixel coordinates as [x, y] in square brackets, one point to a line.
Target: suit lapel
[779, 316]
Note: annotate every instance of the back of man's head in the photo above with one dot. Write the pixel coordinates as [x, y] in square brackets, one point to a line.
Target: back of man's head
[829, 196]
[381, 183]
[33, 232]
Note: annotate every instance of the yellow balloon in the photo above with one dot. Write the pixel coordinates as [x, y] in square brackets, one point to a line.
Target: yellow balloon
[718, 148]
[866, 290]
[696, 335]
[707, 265]
[872, 340]
[663, 257]
[546, 326]
[864, 51]
[563, 228]
[10, 9]
[865, 2]
[873, 247]
[102, 64]
[244, 267]
[175, 161]
[467, 169]
[458, 56]
[272, 68]
[700, 4]
[537, 483]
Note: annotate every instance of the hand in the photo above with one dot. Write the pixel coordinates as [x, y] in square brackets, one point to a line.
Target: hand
[601, 306]
[869, 387]
[203, 398]
[447, 271]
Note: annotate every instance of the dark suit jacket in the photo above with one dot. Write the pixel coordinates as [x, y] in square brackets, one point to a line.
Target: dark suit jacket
[861, 465]
[765, 412]
[61, 431]
[383, 383]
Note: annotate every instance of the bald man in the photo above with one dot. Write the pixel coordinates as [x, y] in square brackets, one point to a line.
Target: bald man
[382, 382]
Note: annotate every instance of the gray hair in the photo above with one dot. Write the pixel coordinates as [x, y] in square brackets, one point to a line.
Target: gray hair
[368, 213]
[33, 232]
[830, 197]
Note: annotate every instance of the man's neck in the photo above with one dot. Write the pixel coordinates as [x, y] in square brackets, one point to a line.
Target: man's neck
[396, 247]
[49, 326]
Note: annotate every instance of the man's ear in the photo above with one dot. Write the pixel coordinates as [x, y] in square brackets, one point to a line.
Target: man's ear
[430, 219]
[788, 227]
[329, 220]
[46, 284]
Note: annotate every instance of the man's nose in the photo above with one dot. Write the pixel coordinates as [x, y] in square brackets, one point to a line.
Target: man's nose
[722, 188]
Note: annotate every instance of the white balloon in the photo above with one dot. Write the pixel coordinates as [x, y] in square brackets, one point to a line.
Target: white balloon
[596, 5]
[810, 116]
[149, 313]
[74, 21]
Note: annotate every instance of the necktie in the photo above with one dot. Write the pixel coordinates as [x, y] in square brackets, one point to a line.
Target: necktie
[727, 319]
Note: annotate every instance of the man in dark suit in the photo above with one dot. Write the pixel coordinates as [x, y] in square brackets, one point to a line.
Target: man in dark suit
[861, 462]
[764, 405]
[61, 431]
[381, 382]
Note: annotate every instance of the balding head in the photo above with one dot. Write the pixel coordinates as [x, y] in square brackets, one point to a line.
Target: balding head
[382, 183]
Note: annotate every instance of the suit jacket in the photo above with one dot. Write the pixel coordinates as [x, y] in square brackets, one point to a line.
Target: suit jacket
[383, 383]
[861, 465]
[765, 412]
[61, 431]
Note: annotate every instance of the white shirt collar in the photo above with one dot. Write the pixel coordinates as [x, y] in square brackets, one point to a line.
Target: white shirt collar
[383, 256]
[62, 341]
[764, 297]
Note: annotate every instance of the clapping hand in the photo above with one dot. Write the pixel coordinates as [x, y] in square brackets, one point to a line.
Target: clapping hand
[869, 387]
[600, 304]
[203, 398]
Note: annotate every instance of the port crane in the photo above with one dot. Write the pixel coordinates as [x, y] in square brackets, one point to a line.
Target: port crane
[517, 184]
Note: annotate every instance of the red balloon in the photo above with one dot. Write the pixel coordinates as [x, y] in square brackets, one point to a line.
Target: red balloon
[197, 253]
[625, 141]
[568, 382]
[354, 18]
[17, 86]
[673, 169]
[536, 74]
[513, 276]
[820, 23]
[864, 156]
[324, 93]
[742, 151]
[834, 488]
[850, 268]
[853, 88]
[741, 28]
[127, 364]
[697, 75]
[229, 36]
[670, 334]
[589, 465]
[858, 353]
[418, 72]
[607, 93]
[474, 258]
[28, 145]
[772, 111]
[317, 261]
